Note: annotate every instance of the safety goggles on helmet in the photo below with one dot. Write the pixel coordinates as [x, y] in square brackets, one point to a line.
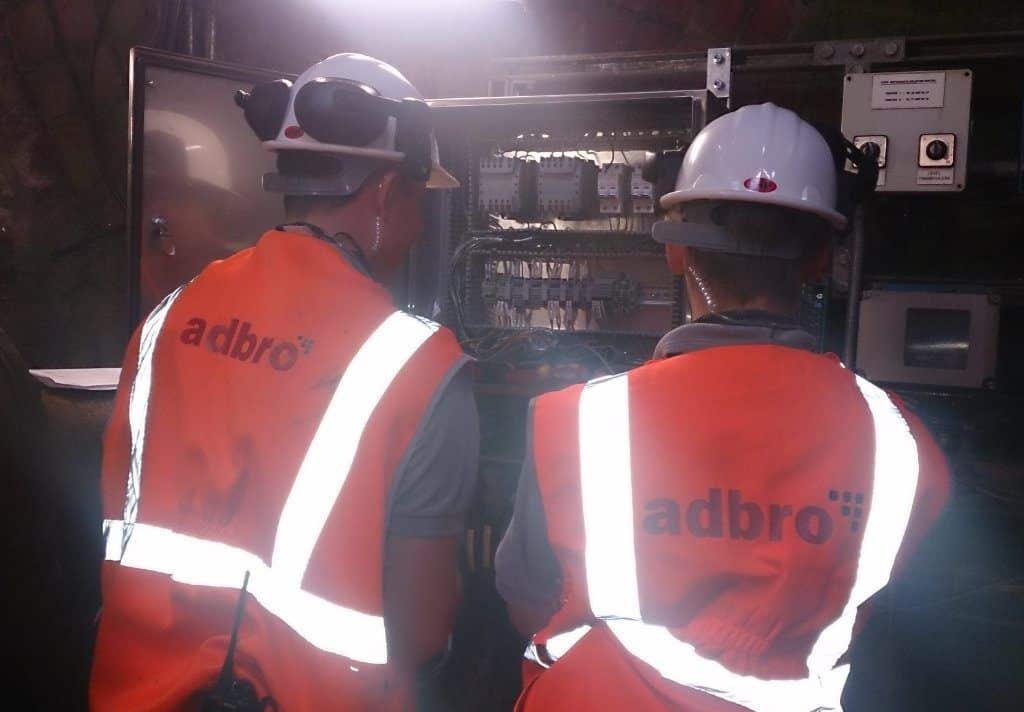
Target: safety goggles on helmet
[264, 107]
[341, 112]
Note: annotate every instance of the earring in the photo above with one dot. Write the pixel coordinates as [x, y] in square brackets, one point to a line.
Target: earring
[377, 237]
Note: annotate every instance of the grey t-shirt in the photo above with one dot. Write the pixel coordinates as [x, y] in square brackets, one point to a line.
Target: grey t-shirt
[433, 488]
[527, 573]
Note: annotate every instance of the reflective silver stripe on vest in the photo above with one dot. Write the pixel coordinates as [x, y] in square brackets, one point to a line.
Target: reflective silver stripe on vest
[555, 647]
[329, 459]
[601, 479]
[198, 562]
[320, 479]
[138, 403]
[607, 495]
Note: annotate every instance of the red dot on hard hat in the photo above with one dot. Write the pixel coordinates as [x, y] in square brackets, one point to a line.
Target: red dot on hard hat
[293, 132]
[761, 184]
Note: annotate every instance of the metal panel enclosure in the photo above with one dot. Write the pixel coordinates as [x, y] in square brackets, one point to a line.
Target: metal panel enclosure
[915, 123]
[195, 172]
[569, 271]
[934, 338]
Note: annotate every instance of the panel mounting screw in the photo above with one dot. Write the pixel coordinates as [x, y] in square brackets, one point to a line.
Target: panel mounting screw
[891, 48]
[717, 58]
[719, 84]
[857, 50]
[827, 51]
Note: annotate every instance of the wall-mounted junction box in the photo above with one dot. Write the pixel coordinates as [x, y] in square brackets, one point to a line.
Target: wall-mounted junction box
[916, 124]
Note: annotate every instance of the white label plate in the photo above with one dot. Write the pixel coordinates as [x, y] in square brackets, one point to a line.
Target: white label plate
[908, 90]
[935, 176]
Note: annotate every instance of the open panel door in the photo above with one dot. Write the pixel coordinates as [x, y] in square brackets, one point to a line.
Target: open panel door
[194, 177]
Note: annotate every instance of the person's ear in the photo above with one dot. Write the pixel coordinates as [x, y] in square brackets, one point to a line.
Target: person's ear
[386, 191]
[396, 192]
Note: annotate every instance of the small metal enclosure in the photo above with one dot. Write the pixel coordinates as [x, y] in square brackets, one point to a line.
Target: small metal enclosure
[916, 124]
[937, 338]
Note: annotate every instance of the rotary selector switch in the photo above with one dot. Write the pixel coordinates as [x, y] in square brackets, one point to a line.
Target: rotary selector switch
[936, 150]
[873, 147]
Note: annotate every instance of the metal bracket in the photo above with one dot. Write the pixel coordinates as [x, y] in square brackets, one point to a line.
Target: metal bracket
[506, 86]
[720, 72]
[858, 55]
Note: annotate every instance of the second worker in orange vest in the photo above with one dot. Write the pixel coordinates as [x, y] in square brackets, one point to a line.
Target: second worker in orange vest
[280, 422]
[701, 533]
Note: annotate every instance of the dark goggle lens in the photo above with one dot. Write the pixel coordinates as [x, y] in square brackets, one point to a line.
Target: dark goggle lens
[265, 106]
[341, 112]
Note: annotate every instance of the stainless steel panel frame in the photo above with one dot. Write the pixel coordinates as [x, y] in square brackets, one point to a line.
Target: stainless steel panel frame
[194, 171]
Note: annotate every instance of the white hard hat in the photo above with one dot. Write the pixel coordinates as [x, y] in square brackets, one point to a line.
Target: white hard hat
[361, 77]
[760, 154]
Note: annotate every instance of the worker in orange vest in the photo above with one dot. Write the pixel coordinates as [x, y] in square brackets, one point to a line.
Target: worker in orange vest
[701, 533]
[289, 445]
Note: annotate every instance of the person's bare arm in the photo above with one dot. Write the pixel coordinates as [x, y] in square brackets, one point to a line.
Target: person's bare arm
[527, 574]
[420, 597]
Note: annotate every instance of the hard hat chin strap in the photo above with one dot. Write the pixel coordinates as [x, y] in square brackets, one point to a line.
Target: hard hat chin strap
[713, 238]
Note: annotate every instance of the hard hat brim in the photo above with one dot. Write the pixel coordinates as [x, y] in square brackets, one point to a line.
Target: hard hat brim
[439, 178]
[678, 197]
[317, 147]
[715, 239]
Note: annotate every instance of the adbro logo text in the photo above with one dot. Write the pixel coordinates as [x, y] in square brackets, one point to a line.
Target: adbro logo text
[237, 340]
[733, 516]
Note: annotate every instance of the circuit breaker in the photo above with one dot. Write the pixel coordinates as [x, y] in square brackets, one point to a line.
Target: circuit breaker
[566, 188]
[507, 186]
[915, 124]
[613, 188]
[641, 194]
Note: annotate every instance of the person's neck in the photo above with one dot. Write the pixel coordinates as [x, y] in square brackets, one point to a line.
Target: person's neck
[700, 309]
[704, 301]
[333, 222]
[350, 227]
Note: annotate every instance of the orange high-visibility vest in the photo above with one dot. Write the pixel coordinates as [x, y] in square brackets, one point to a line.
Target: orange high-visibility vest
[263, 410]
[719, 517]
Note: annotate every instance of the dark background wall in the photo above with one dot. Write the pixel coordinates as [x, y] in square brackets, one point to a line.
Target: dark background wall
[63, 105]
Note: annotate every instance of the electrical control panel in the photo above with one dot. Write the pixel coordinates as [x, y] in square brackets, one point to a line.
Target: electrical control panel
[570, 286]
[641, 194]
[613, 184]
[550, 275]
[507, 186]
[915, 124]
[566, 187]
[567, 292]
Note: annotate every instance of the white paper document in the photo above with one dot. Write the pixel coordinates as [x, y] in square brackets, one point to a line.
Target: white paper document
[80, 379]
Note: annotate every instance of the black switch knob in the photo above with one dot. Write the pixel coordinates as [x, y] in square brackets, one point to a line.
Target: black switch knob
[936, 150]
[872, 150]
